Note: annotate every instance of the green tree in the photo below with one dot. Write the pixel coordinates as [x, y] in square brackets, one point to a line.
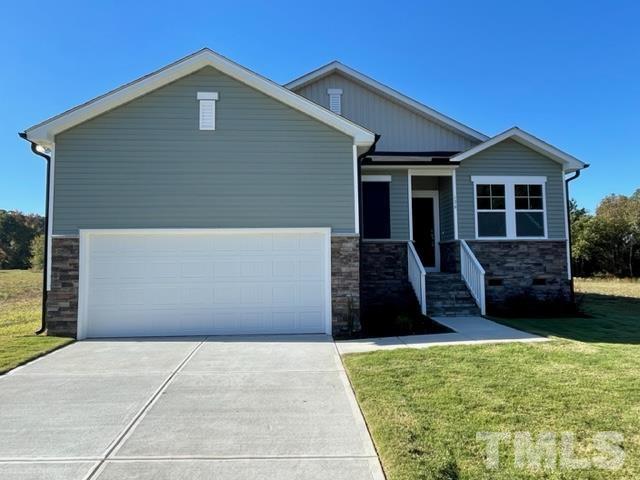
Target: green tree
[609, 241]
[16, 233]
[37, 252]
[581, 250]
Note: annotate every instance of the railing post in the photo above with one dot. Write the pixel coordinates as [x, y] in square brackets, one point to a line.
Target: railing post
[417, 276]
[473, 275]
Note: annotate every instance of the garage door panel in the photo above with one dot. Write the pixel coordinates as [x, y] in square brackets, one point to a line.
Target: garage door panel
[201, 269]
[206, 283]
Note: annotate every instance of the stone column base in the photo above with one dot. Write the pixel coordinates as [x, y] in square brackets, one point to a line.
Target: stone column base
[62, 299]
[345, 284]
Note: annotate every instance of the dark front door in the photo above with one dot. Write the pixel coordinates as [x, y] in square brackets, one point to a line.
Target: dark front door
[424, 231]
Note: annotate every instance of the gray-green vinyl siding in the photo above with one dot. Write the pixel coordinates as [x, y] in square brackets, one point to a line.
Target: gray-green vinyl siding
[402, 128]
[504, 159]
[399, 201]
[445, 197]
[146, 164]
[444, 188]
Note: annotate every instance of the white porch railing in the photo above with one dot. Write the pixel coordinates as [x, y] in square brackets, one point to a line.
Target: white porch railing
[417, 276]
[473, 275]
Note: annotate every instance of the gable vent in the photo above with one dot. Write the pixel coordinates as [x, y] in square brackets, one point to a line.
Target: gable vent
[335, 100]
[207, 101]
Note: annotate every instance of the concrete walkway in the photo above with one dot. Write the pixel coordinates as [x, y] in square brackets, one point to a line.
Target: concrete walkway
[467, 331]
[221, 407]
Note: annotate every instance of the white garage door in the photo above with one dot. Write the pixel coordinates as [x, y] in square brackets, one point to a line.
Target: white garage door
[203, 282]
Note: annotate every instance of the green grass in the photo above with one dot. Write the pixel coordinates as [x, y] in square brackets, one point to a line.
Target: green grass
[20, 304]
[424, 407]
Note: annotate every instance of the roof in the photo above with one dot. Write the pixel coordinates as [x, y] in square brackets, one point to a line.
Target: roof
[44, 133]
[569, 163]
[388, 92]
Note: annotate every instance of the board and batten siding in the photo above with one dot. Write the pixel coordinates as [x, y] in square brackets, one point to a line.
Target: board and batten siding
[402, 129]
[506, 159]
[146, 164]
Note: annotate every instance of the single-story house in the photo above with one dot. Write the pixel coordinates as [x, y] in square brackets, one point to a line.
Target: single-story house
[203, 198]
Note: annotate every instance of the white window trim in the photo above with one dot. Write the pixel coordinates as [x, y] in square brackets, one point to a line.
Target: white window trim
[207, 99]
[510, 203]
[376, 178]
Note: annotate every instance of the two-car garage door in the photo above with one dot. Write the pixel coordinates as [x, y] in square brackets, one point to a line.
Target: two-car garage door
[203, 282]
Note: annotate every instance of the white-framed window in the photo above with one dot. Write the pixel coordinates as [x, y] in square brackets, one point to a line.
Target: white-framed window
[491, 210]
[207, 114]
[510, 207]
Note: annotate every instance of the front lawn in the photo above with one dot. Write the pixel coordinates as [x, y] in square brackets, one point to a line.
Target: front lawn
[20, 300]
[425, 407]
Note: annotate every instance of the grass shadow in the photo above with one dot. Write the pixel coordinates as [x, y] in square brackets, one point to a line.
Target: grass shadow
[607, 319]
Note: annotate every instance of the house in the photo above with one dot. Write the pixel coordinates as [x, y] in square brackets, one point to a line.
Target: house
[204, 198]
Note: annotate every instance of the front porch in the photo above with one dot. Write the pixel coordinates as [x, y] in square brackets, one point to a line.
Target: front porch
[408, 234]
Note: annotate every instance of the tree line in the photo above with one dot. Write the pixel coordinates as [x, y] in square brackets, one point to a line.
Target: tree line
[21, 240]
[604, 243]
[607, 242]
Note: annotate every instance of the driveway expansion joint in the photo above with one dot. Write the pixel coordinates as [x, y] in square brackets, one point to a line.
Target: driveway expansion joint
[115, 444]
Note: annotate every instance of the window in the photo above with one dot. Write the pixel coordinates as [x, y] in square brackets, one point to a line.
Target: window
[492, 214]
[510, 207]
[376, 210]
[207, 115]
[335, 100]
[529, 211]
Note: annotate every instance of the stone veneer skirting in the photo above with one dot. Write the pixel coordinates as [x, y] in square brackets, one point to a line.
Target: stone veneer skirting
[383, 269]
[345, 284]
[62, 299]
[517, 264]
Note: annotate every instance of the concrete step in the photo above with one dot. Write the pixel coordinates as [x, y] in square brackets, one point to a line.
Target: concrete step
[447, 295]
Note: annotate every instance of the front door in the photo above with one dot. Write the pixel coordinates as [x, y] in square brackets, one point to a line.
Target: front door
[425, 234]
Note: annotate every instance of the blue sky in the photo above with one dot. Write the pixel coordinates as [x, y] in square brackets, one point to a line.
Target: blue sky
[567, 71]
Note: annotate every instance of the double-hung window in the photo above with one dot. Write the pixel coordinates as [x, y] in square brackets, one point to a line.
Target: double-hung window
[510, 207]
[529, 210]
[491, 208]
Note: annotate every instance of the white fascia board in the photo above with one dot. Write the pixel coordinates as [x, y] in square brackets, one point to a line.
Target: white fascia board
[569, 162]
[336, 66]
[44, 133]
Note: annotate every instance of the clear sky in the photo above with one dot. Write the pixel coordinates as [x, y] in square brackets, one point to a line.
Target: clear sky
[567, 71]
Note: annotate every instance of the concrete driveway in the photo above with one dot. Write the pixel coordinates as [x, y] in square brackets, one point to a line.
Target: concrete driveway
[218, 407]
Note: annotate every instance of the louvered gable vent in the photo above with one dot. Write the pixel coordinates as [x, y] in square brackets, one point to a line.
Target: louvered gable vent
[207, 101]
[335, 100]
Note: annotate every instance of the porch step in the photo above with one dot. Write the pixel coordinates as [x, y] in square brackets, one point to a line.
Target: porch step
[447, 295]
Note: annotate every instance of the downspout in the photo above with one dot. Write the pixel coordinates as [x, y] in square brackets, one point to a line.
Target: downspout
[571, 285]
[45, 260]
[371, 149]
